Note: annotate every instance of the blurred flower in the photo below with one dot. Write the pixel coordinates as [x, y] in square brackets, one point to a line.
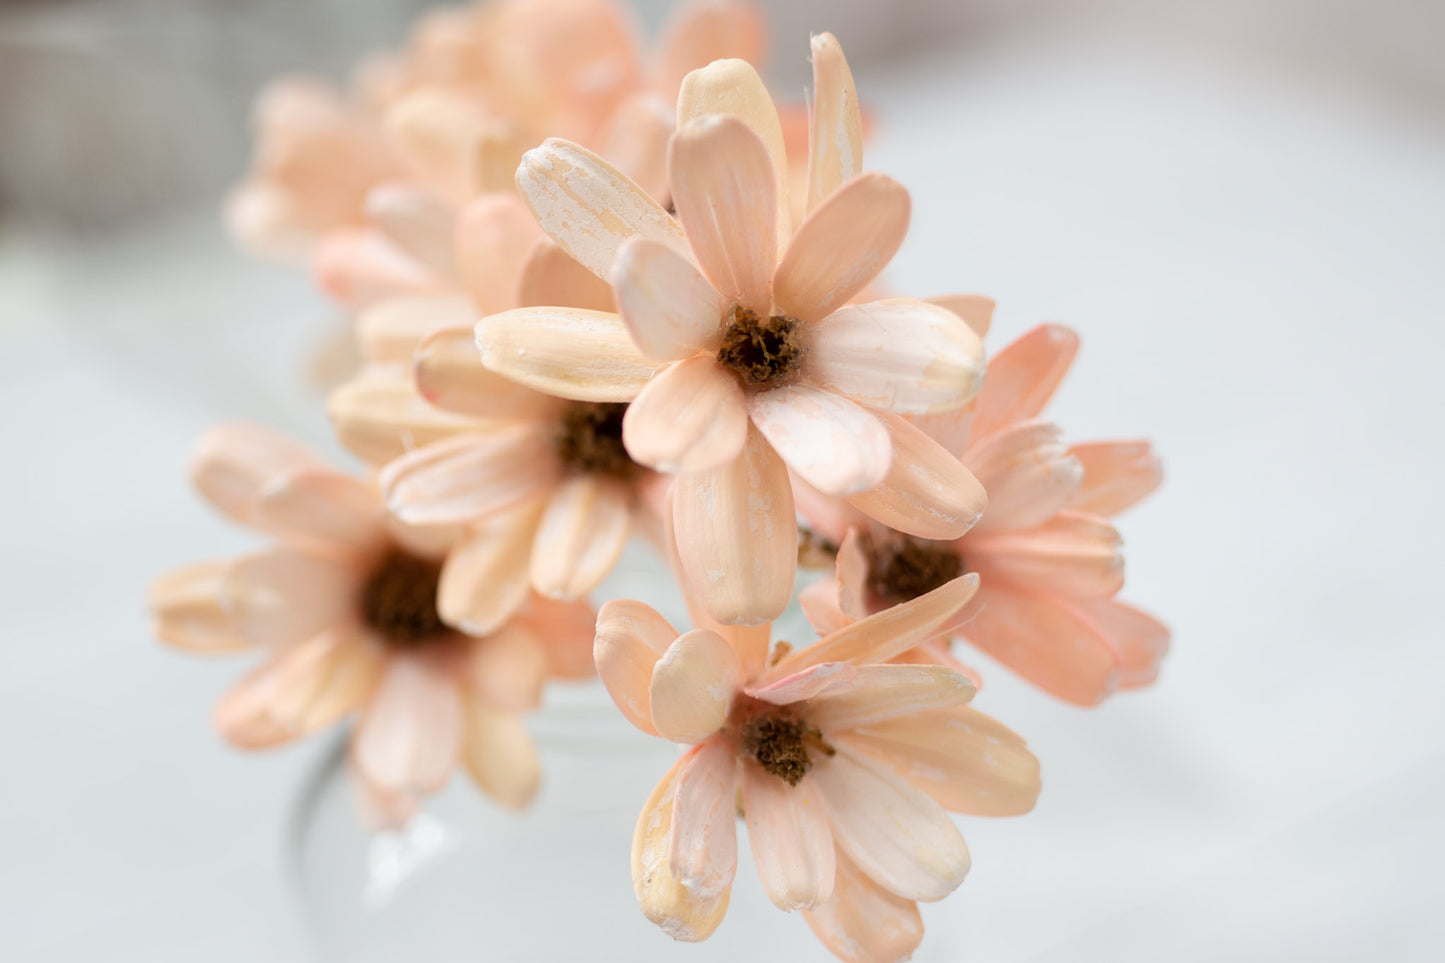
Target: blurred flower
[844, 766]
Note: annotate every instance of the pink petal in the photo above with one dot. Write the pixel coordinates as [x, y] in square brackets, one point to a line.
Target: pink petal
[588, 207]
[790, 838]
[693, 685]
[819, 602]
[841, 247]
[951, 429]
[1117, 475]
[852, 573]
[567, 352]
[581, 536]
[899, 354]
[737, 536]
[233, 463]
[830, 442]
[1071, 554]
[188, 610]
[636, 143]
[470, 476]
[1023, 377]
[670, 309]
[417, 221]
[863, 922]
[507, 669]
[631, 637]
[435, 132]
[495, 157]
[1028, 473]
[450, 375]
[362, 266]
[835, 140]
[927, 492]
[692, 417]
[379, 415]
[976, 310]
[495, 235]
[696, 34]
[551, 277]
[879, 692]
[967, 761]
[281, 596]
[680, 913]
[704, 842]
[895, 833]
[484, 580]
[827, 515]
[1139, 640]
[808, 683]
[321, 508]
[410, 735]
[390, 330]
[724, 190]
[566, 630]
[499, 755]
[380, 811]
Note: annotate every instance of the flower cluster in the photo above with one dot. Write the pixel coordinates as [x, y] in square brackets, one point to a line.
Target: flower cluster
[601, 293]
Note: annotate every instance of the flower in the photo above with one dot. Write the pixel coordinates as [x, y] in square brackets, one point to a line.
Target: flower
[353, 612]
[845, 767]
[1049, 559]
[736, 342]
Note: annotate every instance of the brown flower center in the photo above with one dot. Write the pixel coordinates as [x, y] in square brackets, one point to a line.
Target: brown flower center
[762, 351]
[903, 569]
[590, 441]
[399, 600]
[780, 742]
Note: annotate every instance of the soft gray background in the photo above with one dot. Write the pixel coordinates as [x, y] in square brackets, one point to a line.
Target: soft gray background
[1239, 204]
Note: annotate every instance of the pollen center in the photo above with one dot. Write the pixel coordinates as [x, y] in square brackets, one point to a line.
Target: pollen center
[780, 743]
[762, 351]
[399, 600]
[590, 441]
[902, 570]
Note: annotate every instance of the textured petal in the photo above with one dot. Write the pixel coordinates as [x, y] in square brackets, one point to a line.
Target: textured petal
[696, 34]
[566, 630]
[1046, 642]
[693, 685]
[495, 235]
[737, 536]
[806, 684]
[233, 463]
[552, 277]
[507, 669]
[363, 266]
[188, 611]
[568, 352]
[1028, 473]
[499, 755]
[927, 492]
[951, 429]
[379, 415]
[582, 534]
[880, 692]
[322, 508]
[704, 843]
[835, 141]
[662, 897]
[1071, 554]
[390, 330]
[1023, 377]
[1139, 640]
[484, 579]
[450, 375]
[631, 637]
[284, 595]
[470, 476]
[410, 735]
[670, 309]
[840, 248]
[724, 190]
[417, 221]
[589, 207]
[636, 144]
[692, 417]
[830, 442]
[1117, 475]
[900, 354]
[895, 833]
[863, 922]
[967, 761]
[733, 88]
[976, 310]
[791, 841]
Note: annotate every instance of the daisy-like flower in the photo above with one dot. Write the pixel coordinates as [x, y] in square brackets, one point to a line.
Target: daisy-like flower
[845, 768]
[1049, 558]
[350, 608]
[736, 343]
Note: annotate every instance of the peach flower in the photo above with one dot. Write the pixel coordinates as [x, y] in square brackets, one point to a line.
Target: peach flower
[845, 768]
[353, 612]
[1049, 559]
[736, 342]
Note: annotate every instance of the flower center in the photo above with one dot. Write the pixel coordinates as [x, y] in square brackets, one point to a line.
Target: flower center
[399, 600]
[590, 441]
[780, 742]
[762, 351]
[901, 570]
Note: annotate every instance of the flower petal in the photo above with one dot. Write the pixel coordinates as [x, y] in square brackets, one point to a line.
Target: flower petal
[808, 683]
[976, 310]
[435, 132]
[417, 221]
[682, 914]
[927, 492]
[819, 602]
[410, 735]
[566, 630]
[692, 417]
[379, 415]
[693, 685]
[1117, 475]
[390, 330]
[589, 207]
[1139, 640]
[507, 669]
[470, 476]
[567, 352]
[724, 190]
[484, 579]
[233, 463]
[1071, 554]
[670, 309]
[790, 838]
[840, 248]
[499, 755]
[360, 266]
[188, 611]
[323, 508]
[552, 277]
[284, 595]
[835, 141]
[704, 842]
[450, 375]
[967, 761]
[737, 536]
[1028, 473]
[636, 143]
[1023, 377]
[895, 833]
[899, 354]
[495, 234]
[863, 922]
[581, 535]
[631, 637]
[696, 34]
[830, 442]
[880, 692]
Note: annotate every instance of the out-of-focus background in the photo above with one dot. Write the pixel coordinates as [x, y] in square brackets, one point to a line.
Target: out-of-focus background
[1240, 204]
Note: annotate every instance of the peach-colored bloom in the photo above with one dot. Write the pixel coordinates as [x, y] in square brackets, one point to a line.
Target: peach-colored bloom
[354, 613]
[1049, 559]
[735, 340]
[845, 767]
